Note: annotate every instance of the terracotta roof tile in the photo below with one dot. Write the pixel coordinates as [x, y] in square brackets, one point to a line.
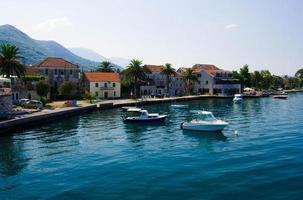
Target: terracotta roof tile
[32, 71]
[154, 68]
[102, 76]
[55, 63]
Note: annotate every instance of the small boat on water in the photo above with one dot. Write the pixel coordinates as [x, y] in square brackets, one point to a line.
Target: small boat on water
[131, 108]
[281, 95]
[238, 98]
[179, 106]
[205, 122]
[144, 116]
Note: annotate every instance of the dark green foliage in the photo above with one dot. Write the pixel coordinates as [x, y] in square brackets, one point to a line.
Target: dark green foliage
[9, 65]
[66, 89]
[42, 88]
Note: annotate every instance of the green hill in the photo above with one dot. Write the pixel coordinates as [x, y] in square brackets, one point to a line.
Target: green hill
[34, 51]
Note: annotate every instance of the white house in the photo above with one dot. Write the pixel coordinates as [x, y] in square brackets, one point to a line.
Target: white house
[103, 84]
[216, 81]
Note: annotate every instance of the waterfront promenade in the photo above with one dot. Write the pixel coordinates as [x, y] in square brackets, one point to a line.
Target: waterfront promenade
[47, 115]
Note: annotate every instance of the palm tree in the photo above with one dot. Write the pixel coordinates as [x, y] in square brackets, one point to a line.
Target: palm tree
[135, 74]
[299, 73]
[9, 65]
[189, 77]
[105, 66]
[168, 71]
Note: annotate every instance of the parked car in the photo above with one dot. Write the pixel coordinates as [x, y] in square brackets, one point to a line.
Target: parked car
[22, 102]
[33, 104]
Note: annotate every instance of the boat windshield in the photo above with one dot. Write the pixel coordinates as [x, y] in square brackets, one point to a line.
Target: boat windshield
[207, 117]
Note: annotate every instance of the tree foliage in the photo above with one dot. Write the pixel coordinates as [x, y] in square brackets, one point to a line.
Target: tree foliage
[134, 75]
[42, 88]
[189, 77]
[105, 66]
[168, 71]
[66, 89]
[9, 64]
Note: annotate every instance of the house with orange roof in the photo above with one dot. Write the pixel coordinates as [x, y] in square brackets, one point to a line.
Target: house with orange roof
[103, 85]
[215, 81]
[56, 70]
[155, 85]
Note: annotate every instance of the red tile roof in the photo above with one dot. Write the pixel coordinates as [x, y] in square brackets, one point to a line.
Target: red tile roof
[55, 63]
[211, 69]
[102, 76]
[154, 68]
[32, 71]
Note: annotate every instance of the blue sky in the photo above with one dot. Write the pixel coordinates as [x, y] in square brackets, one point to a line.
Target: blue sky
[265, 34]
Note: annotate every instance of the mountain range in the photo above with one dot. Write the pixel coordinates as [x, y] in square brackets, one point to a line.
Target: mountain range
[33, 51]
[94, 56]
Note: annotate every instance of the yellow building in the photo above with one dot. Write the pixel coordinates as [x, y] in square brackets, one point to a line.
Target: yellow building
[103, 84]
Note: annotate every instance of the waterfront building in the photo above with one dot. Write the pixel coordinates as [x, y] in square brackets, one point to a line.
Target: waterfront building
[56, 70]
[5, 98]
[102, 84]
[215, 81]
[155, 85]
[24, 88]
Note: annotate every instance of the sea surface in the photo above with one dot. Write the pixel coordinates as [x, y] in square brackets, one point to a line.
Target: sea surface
[97, 156]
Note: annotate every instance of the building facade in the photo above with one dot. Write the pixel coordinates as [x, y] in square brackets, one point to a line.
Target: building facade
[215, 81]
[155, 85]
[103, 85]
[58, 70]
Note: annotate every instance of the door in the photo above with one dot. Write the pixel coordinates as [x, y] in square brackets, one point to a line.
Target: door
[105, 95]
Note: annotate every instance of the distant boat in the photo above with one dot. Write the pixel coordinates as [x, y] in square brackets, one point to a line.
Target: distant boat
[179, 106]
[205, 122]
[131, 108]
[144, 116]
[238, 98]
[281, 95]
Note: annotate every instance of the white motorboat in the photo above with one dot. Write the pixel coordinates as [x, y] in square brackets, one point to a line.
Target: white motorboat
[238, 98]
[281, 95]
[205, 122]
[179, 106]
[131, 108]
[144, 116]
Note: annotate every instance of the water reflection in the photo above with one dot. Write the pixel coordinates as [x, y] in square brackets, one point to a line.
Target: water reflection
[12, 159]
[205, 136]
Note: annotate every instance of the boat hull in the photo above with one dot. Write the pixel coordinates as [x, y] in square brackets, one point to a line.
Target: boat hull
[203, 127]
[138, 120]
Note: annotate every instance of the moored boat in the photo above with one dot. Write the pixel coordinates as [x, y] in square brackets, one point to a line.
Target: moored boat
[144, 116]
[238, 98]
[205, 122]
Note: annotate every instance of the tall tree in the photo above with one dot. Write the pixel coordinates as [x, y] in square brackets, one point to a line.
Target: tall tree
[105, 66]
[189, 77]
[168, 71]
[256, 79]
[266, 82]
[135, 74]
[245, 76]
[9, 64]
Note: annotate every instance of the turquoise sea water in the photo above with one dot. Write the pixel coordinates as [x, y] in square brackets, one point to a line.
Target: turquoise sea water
[97, 156]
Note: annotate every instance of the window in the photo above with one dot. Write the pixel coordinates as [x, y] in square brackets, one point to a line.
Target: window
[56, 71]
[114, 93]
[114, 84]
[97, 94]
[61, 72]
[46, 71]
[206, 82]
[105, 84]
[96, 85]
[70, 72]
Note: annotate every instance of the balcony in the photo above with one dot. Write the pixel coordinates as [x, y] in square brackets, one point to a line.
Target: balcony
[107, 88]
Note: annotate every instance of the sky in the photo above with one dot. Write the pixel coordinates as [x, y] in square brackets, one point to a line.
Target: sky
[265, 34]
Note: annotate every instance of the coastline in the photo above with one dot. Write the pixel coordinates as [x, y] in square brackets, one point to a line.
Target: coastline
[46, 116]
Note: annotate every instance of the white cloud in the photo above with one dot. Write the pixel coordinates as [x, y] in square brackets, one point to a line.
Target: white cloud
[229, 26]
[52, 24]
